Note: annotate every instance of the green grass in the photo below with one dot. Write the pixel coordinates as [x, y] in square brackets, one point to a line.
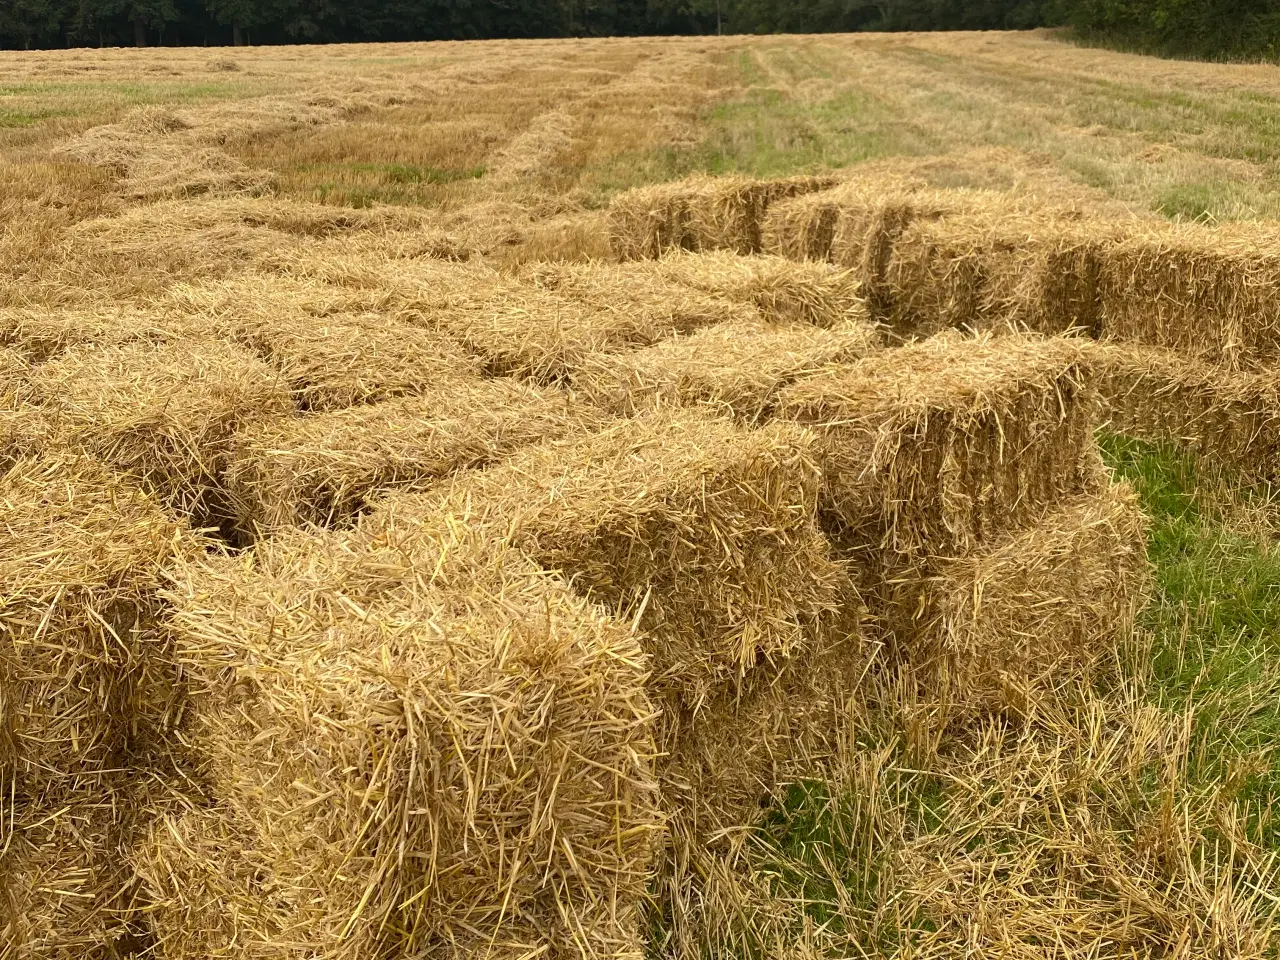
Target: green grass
[1214, 624]
[770, 132]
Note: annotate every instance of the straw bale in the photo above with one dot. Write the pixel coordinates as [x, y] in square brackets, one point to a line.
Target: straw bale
[547, 326]
[420, 745]
[997, 269]
[1033, 610]
[321, 469]
[335, 348]
[783, 291]
[926, 257]
[701, 531]
[734, 368]
[163, 412]
[656, 300]
[701, 213]
[85, 674]
[1225, 417]
[941, 445]
[1213, 293]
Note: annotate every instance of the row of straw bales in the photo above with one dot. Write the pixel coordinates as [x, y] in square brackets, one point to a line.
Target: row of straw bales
[1189, 312]
[700, 214]
[930, 259]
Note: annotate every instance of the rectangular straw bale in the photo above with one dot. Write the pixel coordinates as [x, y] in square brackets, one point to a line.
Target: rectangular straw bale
[1212, 292]
[664, 302]
[1033, 610]
[701, 213]
[701, 531]
[528, 330]
[419, 744]
[997, 269]
[85, 674]
[163, 412]
[783, 291]
[941, 445]
[321, 468]
[1225, 417]
[857, 225]
[733, 368]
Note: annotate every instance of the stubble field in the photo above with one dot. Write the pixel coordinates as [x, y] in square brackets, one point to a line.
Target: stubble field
[686, 498]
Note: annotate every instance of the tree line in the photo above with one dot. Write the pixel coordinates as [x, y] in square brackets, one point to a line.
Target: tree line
[1215, 29]
[1221, 28]
[59, 23]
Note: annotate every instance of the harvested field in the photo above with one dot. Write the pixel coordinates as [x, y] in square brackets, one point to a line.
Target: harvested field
[684, 498]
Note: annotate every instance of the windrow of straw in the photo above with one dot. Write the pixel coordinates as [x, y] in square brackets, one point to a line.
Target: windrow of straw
[323, 468]
[945, 444]
[1034, 611]
[701, 213]
[164, 413]
[86, 676]
[1227, 417]
[732, 368]
[419, 744]
[783, 291]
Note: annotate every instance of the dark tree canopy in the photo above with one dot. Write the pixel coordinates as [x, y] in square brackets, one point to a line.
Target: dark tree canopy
[57, 23]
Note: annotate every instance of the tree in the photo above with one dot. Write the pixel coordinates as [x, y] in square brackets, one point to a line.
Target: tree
[31, 22]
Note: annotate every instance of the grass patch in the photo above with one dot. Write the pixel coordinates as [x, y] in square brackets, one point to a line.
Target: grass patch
[766, 132]
[1214, 625]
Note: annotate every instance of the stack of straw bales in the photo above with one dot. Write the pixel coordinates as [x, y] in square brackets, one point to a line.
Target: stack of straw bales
[704, 536]
[323, 468]
[733, 368]
[163, 412]
[963, 477]
[439, 732]
[702, 213]
[997, 270]
[856, 226]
